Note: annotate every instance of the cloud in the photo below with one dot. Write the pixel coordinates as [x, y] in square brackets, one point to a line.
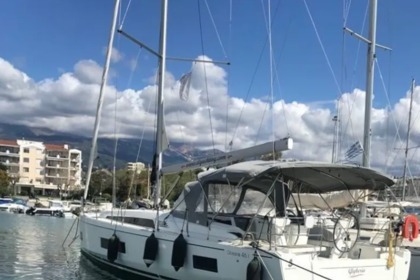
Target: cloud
[116, 55]
[68, 104]
[88, 71]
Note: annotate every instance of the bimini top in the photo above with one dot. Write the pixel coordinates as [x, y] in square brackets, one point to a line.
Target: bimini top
[310, 176]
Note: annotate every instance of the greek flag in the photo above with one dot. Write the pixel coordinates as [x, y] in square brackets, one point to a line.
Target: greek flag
[184, 88]
[354, 150]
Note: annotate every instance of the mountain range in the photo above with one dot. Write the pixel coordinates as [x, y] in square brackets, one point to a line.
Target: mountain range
[126, 152]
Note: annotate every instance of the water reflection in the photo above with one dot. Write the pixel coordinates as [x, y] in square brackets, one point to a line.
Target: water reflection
[31, 248]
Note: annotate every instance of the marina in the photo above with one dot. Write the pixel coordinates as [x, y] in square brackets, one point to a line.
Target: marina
[31, 249]
[265, 203]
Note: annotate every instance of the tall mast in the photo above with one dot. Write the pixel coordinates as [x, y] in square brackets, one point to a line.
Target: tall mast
[161, 83]
[335, 149]
[370, 73]
[101, 98]
[413, 83]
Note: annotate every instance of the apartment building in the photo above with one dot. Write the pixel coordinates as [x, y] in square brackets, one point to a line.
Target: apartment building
[136, 166]
[63, 166]
[10, 156]
[41, 168]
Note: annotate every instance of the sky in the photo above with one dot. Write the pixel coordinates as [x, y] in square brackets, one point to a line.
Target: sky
[52, 55]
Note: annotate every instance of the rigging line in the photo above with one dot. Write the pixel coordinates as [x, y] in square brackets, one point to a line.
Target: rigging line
[117, 129]
[215, 29]
[270, 44]
[322, 47]
[286, 124]
[114, 187]
[277, 76]
[181, 128]
[205, 76]
[254, 74]
[346, 11]
[350, 105]
[271, 73]
[119, 14]
[386, 94]
[130, 78]
[337, 124]
[116, 137]
[278, 80]
[390, 36]
[291, 263]
[388, 160]
[397, 135]
[139, 148]
[125, 15]
[261, 124]
[359, 46]
[228, 77]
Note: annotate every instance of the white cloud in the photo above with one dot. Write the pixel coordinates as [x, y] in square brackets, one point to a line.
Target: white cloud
[88, 71]
[116, 55]
[68, 104]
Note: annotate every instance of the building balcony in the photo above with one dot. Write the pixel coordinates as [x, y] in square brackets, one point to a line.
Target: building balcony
[9, 154]
[14, 174]
[56, 167]
[8, 163]
[56, 176]
[56, 158]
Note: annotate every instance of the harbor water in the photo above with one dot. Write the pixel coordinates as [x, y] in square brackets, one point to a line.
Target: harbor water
[31, 249]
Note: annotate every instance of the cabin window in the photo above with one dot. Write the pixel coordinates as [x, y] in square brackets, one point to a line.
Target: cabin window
[134, 221]
[253, 200]
[204, 263]
[223, 198]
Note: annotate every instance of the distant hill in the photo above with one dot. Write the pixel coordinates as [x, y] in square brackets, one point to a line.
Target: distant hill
[127, 148]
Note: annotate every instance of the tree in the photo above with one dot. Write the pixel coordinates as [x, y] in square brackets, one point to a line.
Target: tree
[169, 179]
[4, 181]
[3, 167]
[100, 182]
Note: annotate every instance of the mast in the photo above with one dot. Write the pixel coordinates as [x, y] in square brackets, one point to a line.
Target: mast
[413, 83]
[370, 73]
[335, 138]
[101, 98]
[161, 83]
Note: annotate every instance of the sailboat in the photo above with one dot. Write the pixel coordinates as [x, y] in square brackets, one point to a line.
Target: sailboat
[233, 223]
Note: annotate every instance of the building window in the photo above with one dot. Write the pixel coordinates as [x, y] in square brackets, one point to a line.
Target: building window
[26, 169]
[26, 159]
[26, 150]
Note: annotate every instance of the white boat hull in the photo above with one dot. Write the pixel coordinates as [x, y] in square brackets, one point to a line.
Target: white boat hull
[231, 258]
